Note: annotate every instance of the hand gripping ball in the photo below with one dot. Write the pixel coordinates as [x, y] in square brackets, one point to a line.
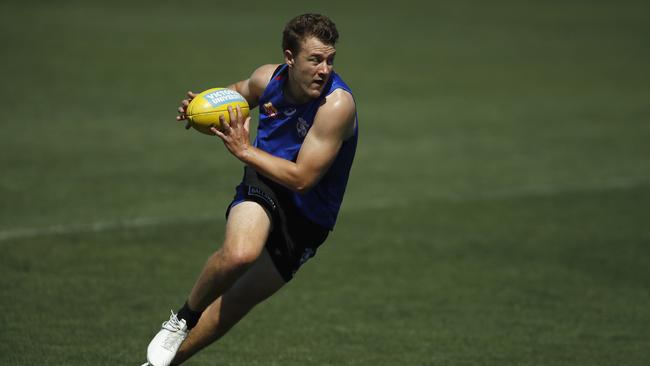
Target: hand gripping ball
[205, 109]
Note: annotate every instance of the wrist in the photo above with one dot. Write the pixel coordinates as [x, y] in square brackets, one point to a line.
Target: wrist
[245, 154]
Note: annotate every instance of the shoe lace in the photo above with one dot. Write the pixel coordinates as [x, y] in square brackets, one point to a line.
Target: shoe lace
[176, 332]
[173, 324]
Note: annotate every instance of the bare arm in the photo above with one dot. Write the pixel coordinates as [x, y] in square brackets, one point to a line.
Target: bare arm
[333, 124]
[251, 89]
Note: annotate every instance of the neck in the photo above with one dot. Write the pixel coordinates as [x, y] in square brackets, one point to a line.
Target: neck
[292, 92]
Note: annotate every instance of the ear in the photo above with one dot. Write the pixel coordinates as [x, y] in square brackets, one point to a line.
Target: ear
[288, 58]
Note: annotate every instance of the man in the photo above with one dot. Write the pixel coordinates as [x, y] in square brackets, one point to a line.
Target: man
[293, 186]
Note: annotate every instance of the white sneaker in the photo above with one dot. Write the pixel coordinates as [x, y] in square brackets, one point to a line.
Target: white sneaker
[165, 344]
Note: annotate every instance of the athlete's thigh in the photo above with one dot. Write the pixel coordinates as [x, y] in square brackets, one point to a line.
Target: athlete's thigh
[258, 283]
[247, 228]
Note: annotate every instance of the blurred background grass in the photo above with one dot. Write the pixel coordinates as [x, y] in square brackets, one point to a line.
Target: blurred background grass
[497, 211]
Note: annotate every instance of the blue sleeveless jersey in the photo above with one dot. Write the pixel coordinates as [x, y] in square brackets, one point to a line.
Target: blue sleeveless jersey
[281, 131]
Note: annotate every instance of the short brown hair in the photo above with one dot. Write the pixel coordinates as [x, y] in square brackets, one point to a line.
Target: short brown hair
[308, 25]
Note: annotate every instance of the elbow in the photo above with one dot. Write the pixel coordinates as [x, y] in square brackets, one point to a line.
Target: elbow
[303, 180]
[303, 187]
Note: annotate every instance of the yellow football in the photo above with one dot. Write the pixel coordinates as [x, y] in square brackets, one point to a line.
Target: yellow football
[205, 109]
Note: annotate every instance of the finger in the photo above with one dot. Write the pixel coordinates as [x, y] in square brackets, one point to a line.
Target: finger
[240, 116]
[247, 124]
[218, 133]
[185, 102]
[224, 125]
[233, 118]
[181, 110]
[191, 94]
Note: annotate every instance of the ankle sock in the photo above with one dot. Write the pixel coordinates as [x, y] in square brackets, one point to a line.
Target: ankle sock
[191, 317]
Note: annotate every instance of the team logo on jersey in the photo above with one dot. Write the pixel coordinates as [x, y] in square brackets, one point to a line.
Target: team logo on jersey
[270, 110]
[302, 127]
[289, 111]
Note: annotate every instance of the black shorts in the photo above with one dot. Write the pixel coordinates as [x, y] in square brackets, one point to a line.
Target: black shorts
[293, 239]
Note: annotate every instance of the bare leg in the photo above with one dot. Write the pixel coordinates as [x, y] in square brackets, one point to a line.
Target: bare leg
[246, 232]
[258, 283]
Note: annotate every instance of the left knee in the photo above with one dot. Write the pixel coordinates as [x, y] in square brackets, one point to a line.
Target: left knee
[236, 258]
[240, 256]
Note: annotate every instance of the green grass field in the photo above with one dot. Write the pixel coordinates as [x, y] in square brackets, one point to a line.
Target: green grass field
[498, 211]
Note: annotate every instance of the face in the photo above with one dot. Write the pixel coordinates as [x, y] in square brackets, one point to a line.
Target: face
[310, 69]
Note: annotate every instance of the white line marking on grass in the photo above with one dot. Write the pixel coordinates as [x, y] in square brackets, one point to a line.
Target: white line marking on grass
[383, 203]
[98, 226]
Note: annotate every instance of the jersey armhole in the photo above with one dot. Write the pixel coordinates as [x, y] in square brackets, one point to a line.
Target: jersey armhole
[276, 71]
